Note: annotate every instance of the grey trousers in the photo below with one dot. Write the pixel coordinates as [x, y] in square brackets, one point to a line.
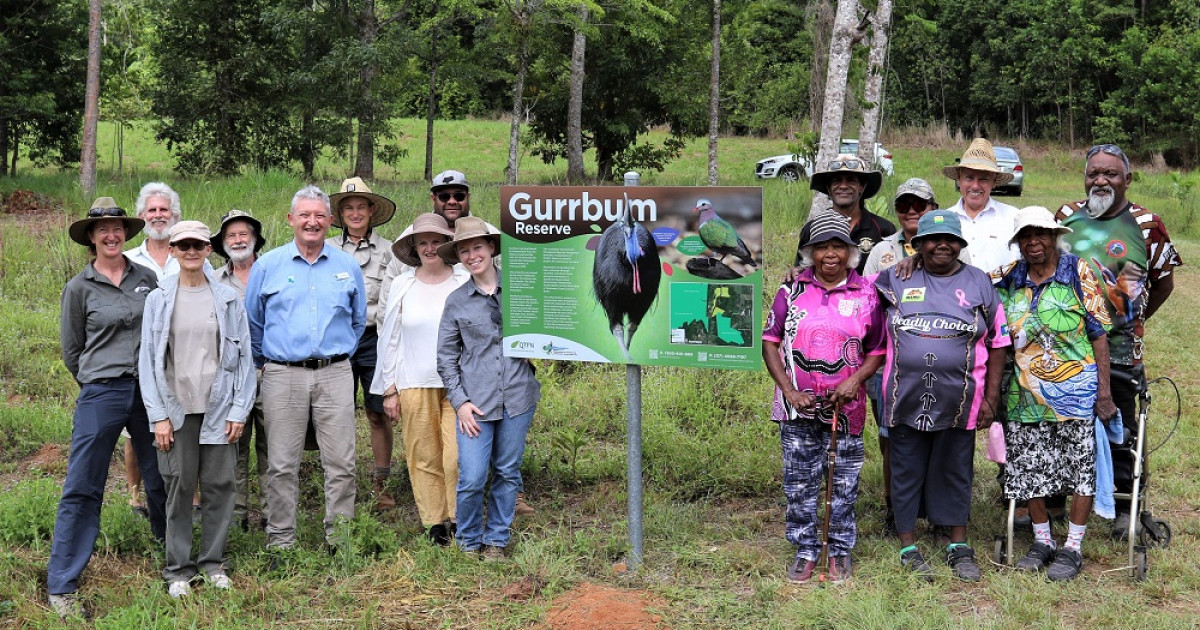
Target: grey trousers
[290, 396]
[213, 465]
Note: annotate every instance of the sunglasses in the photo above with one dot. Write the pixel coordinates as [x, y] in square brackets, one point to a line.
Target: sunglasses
[445, 196]
[840, 164]
[106, 212]
[908, 205]
[187, 246]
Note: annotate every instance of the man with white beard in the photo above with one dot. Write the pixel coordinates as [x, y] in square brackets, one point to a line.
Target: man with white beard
[238, 242]
[1130, 250]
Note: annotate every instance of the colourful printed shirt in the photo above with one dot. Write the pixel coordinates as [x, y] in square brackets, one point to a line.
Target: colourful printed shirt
[1128, 251]
[940, 331]
[824, 335]
[1052, 325]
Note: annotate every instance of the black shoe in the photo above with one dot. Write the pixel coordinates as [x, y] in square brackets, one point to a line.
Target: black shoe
[1067, 564]
[439, 534]
[915, 563]
[961, 559]
[1038, 557]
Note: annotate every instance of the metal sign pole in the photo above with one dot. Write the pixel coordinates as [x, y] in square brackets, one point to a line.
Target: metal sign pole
[633, 442]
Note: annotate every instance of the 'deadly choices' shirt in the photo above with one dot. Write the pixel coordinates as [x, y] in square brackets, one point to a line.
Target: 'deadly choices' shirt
[940, 329]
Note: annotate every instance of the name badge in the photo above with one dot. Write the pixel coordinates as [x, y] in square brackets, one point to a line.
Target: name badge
[343, 276]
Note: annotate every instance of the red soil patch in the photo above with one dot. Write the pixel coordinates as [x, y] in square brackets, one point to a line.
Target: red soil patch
[46, 456]
[593, 607]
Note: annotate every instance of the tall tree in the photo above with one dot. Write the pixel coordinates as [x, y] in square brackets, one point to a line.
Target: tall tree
[881, 23]
[522, 14]
[714, 95]
[91, 104]
[846, 31]
[575, 101]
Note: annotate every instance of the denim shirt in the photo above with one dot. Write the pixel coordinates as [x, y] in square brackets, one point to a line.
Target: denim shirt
[233, 388]
[471, 359]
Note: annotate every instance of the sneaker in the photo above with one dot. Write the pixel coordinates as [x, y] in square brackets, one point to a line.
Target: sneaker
[840, 568]
[801, 570]
[67, 605]
[221, 581]
[961, 559]
[915, 563]
[1038, 557]
[1067, 564]
[523, 508]
[179, 588]
[491, 553]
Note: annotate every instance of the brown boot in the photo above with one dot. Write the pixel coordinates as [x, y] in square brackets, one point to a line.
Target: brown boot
[383, 500]
[523, 508]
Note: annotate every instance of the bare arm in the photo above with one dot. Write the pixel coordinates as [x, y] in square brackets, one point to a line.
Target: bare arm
[1105, 407]
[1160, 290]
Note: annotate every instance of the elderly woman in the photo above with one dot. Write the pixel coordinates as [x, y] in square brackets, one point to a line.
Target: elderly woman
[1057, 319]
[822, 341]
[494, 396]
[945, 357]
[198, 384]
[100, 332]
[913, 199]
[407, 376]
[358, 211]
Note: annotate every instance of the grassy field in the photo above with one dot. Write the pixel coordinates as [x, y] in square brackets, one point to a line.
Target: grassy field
[715, 552]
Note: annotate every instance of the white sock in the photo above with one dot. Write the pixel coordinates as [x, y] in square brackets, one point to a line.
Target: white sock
[1075, 536]
[1041, 534]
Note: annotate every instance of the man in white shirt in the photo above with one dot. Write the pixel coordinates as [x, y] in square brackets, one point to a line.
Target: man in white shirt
[987, 224]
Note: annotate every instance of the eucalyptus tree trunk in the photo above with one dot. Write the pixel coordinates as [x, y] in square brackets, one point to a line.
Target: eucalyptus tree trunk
[714, 95]
[91, 105]
[575, 103]
[431, 106]
[841, 43]
[868, 133]
[368, 32]
[522, 11]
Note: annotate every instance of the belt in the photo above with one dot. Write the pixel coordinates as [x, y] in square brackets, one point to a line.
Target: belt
[312, 364]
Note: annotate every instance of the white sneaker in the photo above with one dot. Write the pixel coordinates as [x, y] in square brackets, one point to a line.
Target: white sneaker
[179, 589]
[220, 580]
[67, 606]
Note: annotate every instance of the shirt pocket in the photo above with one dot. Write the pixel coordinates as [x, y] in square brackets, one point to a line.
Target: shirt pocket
[477, 336]
[338, 290]
[230, 353]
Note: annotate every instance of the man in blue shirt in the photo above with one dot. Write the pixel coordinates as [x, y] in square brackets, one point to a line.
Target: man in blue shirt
[307, 307]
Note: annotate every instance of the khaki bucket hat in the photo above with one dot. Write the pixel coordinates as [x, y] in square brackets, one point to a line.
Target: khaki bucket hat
[405, 248]
[465, 229]
[980, 156]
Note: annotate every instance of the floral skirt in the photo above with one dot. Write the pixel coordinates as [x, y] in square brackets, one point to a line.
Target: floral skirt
[1050, 459]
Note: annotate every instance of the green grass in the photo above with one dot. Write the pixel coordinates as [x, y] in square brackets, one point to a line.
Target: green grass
[715, 552]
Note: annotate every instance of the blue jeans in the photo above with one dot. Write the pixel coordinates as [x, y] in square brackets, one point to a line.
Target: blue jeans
[498, 450]
[101, 411]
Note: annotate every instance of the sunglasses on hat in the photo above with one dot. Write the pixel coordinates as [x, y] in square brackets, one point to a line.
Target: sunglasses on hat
[839, 164]
[106, 212]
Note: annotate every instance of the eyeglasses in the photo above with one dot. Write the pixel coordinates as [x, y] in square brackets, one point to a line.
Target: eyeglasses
[908, 205]
[850, 164]
[187, 246]
[106, 212]
[445, 196]
[1110, 149]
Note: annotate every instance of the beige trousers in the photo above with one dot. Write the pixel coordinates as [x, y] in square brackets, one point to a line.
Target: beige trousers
[431, 450]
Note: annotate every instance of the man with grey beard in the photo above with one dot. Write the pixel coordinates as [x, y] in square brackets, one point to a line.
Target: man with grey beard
[238, 242]
[1132, 254]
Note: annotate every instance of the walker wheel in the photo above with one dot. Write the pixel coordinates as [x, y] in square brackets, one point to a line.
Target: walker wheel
[999, 547]
[1156, 532]
[1139, 563]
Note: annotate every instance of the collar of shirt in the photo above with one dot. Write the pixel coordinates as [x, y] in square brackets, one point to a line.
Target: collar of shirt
[90, 272]
[991, 207]
[474, 289]
[1064, 273]
[853, 281]
[293, 251]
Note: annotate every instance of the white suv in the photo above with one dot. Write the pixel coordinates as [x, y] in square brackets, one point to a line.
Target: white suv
[792, 167]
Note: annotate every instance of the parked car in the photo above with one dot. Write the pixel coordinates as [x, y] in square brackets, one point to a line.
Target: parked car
[793, 167]
[1010, 162]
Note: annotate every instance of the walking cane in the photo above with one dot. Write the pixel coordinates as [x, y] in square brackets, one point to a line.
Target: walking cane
[823, 559]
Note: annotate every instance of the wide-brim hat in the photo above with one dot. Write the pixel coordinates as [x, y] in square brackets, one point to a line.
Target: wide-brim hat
[355, 187]
[829, 226]
[846, 163]
[103, 208]
[465, 229]
[939, 222]
[405, 248]
[218, 243]
[1039, 217]
[980, 156]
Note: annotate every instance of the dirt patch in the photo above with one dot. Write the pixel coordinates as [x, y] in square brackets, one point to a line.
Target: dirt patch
[48, 457]
[594, 607]
[33, 213]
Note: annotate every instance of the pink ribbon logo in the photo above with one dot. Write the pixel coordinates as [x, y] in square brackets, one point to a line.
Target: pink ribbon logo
[962, 297]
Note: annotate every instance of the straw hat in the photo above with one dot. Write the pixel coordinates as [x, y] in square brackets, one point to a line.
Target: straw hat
[846, 163]
[465, 229]
[103, 208]
[1039, 217]
[405, 247]
[218, 243]
[979, 157]
[356, 187]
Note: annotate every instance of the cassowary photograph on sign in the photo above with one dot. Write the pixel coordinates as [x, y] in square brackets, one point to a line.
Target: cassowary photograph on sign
[645, 275]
